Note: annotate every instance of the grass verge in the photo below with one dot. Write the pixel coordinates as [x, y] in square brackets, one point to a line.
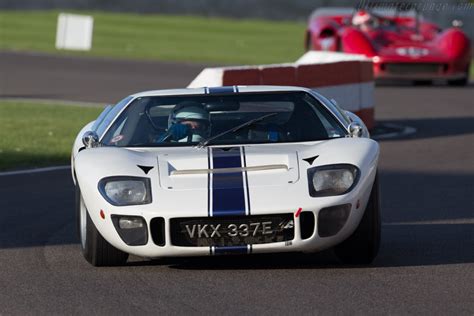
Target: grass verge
[160, 37]
[163, 37]
[36, 135]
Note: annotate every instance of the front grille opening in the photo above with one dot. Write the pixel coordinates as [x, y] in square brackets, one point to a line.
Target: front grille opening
[157, 229]
[410, 68]
[132, 229]
[332, 219]
[306, 224]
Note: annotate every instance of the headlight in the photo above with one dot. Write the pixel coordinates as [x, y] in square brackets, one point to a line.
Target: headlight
[120, 191]
[332, 179]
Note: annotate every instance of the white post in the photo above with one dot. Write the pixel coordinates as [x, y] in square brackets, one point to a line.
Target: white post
[74, 32]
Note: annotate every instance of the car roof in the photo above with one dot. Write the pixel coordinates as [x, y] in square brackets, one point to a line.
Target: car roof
[205, 90]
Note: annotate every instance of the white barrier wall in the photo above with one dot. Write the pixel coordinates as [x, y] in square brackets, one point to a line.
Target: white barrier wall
[346, 78]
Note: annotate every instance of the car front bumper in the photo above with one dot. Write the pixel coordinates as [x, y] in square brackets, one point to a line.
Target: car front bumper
[432, 69]
[302, 241]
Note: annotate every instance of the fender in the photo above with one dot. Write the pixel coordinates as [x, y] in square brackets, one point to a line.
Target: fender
[76, 148]
[454, 43]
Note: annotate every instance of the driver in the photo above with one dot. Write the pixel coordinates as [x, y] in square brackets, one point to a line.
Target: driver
[188, 122]
[363, 20]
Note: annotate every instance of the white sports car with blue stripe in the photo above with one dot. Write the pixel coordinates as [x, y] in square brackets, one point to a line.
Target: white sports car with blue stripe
[227, 170]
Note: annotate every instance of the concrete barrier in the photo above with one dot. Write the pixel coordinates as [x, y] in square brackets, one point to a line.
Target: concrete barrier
[348, 79]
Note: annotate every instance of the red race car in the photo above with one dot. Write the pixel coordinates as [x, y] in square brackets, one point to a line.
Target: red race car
[401, 44]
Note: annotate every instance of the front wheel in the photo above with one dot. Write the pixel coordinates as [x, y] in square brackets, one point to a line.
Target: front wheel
[459, 82]
[96, 250]
[363, 245]
[462, 81]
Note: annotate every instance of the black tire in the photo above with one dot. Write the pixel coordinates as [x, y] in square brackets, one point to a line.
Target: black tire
[462, 81]
[459, 82]
[423, 83]
[363, 245]
[95, 249]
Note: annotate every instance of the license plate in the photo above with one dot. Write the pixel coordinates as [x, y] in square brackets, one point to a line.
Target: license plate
[231, 231]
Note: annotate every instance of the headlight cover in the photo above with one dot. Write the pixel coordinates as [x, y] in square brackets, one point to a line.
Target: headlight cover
[332, 179]
[122, 191]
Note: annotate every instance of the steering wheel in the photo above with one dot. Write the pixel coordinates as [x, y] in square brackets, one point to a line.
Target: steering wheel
[150, 120]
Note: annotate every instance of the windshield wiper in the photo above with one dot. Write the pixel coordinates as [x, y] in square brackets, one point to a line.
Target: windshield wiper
[206, 141]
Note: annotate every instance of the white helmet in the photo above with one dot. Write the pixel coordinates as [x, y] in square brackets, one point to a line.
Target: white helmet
[194, 112]
[361, 17]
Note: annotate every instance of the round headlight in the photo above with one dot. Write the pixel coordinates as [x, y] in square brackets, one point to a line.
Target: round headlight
[333, 181]
[123, 191]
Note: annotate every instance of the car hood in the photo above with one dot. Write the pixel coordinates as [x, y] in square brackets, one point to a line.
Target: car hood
[183, 177]
[266, 165]
[179, 167]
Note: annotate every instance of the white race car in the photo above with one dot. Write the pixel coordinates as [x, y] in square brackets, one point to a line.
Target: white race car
[227, 170]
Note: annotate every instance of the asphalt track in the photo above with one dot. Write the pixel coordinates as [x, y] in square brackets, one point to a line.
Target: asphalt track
[425, 265]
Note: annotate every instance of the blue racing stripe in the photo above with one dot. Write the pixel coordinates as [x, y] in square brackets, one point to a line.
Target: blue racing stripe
[228, 196]
[222, 90]
[230, 250]
[246, 180]
[209, 182]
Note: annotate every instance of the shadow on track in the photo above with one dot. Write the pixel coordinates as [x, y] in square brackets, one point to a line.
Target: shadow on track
[420, 84]
[432, 128]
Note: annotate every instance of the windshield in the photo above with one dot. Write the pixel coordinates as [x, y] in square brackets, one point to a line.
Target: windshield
[235, 119]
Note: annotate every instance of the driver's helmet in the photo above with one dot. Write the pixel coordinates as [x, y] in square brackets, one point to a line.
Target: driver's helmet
[194, 115]
[361, 17]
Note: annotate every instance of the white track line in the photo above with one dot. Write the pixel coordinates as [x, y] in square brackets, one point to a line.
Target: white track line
[455, 221]
[30, 171]
[54, 102]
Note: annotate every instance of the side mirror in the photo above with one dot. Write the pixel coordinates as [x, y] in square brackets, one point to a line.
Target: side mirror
[90, 139]
[355, 129]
